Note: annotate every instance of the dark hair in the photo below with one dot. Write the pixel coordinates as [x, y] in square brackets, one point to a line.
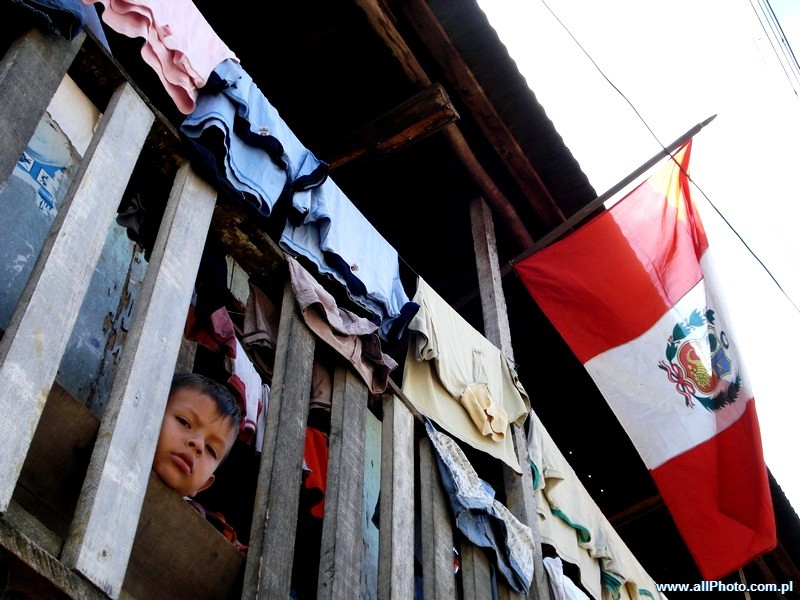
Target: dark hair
[226, 402]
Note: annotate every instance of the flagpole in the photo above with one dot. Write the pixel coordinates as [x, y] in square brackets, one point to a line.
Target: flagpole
[587, 210]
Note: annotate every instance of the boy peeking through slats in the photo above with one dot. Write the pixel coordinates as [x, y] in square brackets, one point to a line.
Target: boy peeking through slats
[200, 425]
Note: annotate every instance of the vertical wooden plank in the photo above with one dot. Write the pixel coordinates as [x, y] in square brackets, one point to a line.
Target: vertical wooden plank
[342, 539]
[268, 572]
[30, 73]
[396, 546]
[372, 488]
[476, 578]
[104, 526]
[490, 283]
[520, 499]
[186, 355]
[438, 579]
[37, 335]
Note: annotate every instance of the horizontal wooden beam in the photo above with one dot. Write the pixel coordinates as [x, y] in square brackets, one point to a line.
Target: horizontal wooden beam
[423, 114]
[243, 238]
[46, 566]
[491, 124]
[383, 24]
[636, 511]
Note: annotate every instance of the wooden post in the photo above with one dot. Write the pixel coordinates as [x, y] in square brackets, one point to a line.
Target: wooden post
[30, 73]
[372, 488]
[490, 284]
[476, 576]
[37, 335]
[104, 527]
[520, 500]
[342, 538]
[396, 546]
[438, 579]
[519, 490]
[268, 572]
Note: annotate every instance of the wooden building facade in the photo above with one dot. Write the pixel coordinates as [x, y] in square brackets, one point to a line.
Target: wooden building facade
[435, 136]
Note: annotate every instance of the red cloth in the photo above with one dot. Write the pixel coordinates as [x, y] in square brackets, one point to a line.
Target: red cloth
[316, 459]
[216, 332]
[634, 295]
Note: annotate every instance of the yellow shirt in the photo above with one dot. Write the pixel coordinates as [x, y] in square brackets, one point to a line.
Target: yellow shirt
[460, 380]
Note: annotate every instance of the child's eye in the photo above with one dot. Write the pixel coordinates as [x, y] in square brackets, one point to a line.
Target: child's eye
[183, 421]
[211, 451]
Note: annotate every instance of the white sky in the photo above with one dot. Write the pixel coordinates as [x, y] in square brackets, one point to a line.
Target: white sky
[678, 62]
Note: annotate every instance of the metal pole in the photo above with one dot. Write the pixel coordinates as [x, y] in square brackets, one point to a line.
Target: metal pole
[598, 202]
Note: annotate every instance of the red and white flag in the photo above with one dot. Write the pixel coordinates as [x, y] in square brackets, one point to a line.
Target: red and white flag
[633, 294]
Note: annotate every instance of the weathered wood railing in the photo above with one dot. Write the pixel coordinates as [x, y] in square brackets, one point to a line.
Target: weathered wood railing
[115, 543]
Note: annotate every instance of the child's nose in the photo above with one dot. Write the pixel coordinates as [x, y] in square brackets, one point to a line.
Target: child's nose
[196, 444]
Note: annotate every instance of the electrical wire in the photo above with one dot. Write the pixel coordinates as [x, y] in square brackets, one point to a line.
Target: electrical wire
[785, 55]
[647, 126]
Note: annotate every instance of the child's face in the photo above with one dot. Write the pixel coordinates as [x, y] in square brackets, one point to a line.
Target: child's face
[194, 439]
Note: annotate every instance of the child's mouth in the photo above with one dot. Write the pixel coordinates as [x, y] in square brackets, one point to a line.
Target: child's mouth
[184, 462]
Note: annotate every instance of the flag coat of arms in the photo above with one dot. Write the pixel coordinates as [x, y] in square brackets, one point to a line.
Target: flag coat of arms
[633, 294]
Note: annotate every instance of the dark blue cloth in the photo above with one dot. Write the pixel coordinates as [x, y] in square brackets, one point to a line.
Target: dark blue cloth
[63, 17]
[342, 244]
[243, 145]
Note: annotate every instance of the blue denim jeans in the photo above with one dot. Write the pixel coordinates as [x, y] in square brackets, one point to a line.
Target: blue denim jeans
[480, 517]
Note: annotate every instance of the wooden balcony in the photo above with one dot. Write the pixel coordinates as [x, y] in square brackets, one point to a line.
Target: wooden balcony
[83, 516]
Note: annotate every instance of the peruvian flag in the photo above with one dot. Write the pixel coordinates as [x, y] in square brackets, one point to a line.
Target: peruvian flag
[633, 294]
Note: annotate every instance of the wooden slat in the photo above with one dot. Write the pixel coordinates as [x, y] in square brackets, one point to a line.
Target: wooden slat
[30, 73]
[105, 522]
[520, 498]
[55, 466]
[173, 547]
[372, 488]
[438, 580]
[177, 553]
[268, 572]
[45, 565]
[493, 302]
[342, 538]
[37, 335]
[32, 528]
[186, 355]
[475, 573]
[396, 546]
